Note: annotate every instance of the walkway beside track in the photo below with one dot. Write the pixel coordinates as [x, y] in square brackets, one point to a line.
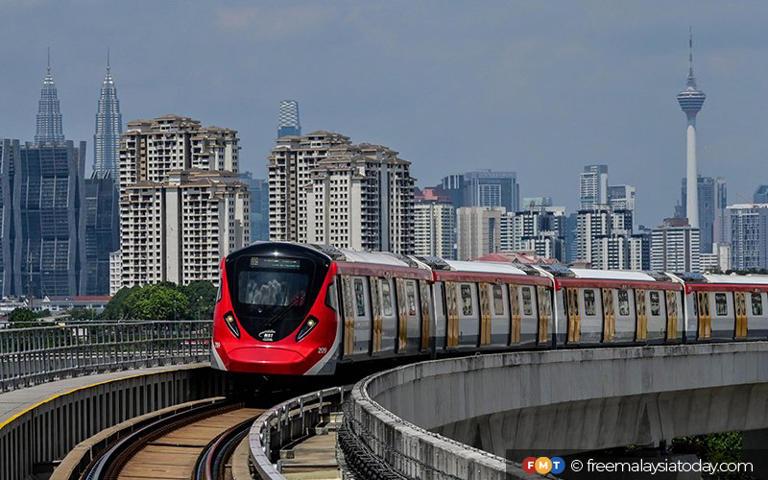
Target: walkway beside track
[16, 402]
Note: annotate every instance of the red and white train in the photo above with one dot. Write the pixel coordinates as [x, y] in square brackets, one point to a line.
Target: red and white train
[292, 309]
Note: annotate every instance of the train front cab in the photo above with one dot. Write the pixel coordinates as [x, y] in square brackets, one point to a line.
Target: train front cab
[596, 308]
[724, 308]
[275, 313]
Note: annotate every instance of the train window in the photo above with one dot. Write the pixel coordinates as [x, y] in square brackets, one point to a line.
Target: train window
[721, 305]
[757, 304]
[498, 300]
[527, 301]
[410, 294]
[466, 299]
[359, 297]
[623, 302]
[589, 302]
[386, 298]
[655, 303]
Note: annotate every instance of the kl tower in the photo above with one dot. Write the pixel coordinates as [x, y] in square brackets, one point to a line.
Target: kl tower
[691, 100]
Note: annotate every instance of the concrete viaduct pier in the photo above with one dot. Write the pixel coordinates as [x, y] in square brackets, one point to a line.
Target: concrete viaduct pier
[418, 420]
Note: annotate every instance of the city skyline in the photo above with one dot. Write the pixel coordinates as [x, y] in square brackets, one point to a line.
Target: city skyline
[513, 104]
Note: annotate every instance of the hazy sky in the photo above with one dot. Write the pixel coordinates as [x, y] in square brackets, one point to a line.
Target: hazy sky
[541, 88]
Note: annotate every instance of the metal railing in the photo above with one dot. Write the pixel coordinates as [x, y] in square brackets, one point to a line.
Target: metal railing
[30, 356]
[288, 422]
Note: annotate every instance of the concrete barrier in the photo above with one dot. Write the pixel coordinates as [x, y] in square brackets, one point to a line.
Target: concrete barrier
[676, 390]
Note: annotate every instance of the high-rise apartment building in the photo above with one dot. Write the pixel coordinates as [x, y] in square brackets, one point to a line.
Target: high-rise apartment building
[478, 231]
[748, 225]
[102, 231]
[42, 230]
[713, 199]
[604, 239]
[539, 230]
[49, 119]
[182, 205]
[434, 229]
[675, 247]
[488, 188]
[290, 166]
[361, 197]
[109, 127]
[691, 100]
[288, 120]
[593, 187]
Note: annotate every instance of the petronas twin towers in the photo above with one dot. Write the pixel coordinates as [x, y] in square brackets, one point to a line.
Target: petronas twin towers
[109, 122]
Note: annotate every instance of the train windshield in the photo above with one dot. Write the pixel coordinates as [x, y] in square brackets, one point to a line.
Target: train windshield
[272, 295]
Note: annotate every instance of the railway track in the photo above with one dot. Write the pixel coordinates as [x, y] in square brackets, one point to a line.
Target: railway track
[194, 444]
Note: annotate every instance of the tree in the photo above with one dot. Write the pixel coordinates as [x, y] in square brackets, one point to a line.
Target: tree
[22, 317]
[156, 302]
[115, 309]
[202, 298]
[82, 314]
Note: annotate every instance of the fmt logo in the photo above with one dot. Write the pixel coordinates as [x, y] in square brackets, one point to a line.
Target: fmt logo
[543, 465]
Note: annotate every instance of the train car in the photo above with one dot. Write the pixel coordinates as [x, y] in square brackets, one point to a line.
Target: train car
[291, 309]
[600, 307]
[490, 306]
[726, 307]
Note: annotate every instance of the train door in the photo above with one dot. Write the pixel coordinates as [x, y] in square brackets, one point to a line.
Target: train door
[591, 309]
[672, 315]
[409, 315]
[624, 309]
[514, 318]
[387, 327]
[469, 315]
[452, 307]
[426, 316]
[740, 308]
[705, 317]
[362, 326]
[441, 315]
[641, 331]
[545, 314]
[657, 316]
[349, 316]
[723, 318]
[485, 315]
[574, 318]
[609, 315]
[529, 323]
[377, 329]
[757, 315]
[499, 331]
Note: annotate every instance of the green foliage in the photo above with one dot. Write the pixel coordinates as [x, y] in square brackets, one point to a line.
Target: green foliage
[202, 298]
[716, 447]
[22, 317]
[43, 313]
[163, 301]
[156, 302]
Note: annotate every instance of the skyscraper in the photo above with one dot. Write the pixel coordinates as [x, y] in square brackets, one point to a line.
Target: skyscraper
[761, 194]
[258, 190]
[43, 248]
[288, 121]
[49, 124]
[102, 232]
[593, 186]
[749, 235]
[713, 198]
[622, 197]
[675, 247]
[109, 126]
[478, 231]
[691, 100]
[488, 188]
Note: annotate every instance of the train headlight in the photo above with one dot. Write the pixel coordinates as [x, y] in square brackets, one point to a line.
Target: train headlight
[229, 319]
[310, 324]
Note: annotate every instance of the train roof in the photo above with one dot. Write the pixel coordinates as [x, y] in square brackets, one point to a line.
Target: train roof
[616, 275]
[483, 267]
[733, 279]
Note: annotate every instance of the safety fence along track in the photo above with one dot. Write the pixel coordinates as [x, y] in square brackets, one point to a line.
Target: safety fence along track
[30, 356]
